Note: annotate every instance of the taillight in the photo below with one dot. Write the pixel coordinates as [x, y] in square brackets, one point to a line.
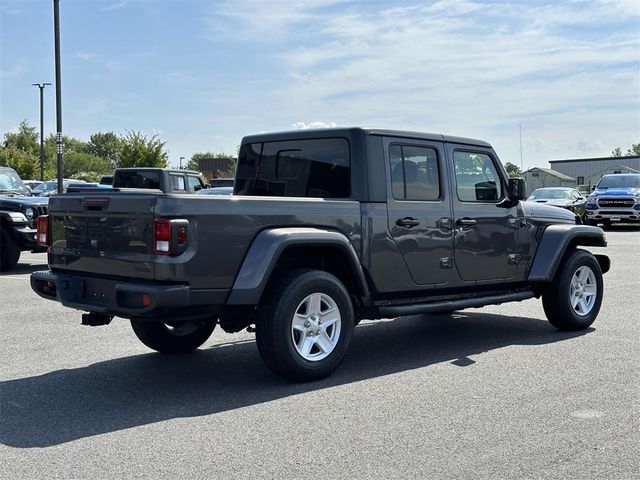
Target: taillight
[170, 236]
[42, 231]
[162, 237]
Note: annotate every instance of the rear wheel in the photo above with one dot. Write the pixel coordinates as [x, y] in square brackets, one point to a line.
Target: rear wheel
[9, 252]
[305, 324]
[173, 337]
[572, 301]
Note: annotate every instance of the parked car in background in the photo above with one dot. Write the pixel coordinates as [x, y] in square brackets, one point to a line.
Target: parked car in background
[32, 183]
[19, 211]
[615, 198]
[85, 187]
[216, 191]
[564, 197]
[106, 180]
[165, 179]
[50, 187]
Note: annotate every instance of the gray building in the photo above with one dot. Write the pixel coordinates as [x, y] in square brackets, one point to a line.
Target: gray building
[538, 177]
[587, 171]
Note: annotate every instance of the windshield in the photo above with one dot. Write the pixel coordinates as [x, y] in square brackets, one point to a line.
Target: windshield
[11, 182]
[550, 194]
[619, 181]
[47, 186]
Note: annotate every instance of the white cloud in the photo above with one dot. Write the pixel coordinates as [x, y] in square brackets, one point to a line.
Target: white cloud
[568, 71]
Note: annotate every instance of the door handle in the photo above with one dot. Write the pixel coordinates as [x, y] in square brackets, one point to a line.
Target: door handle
[407, 222]
[466, 222]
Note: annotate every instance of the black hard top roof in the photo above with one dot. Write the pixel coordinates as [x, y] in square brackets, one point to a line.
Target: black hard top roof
[312, 133]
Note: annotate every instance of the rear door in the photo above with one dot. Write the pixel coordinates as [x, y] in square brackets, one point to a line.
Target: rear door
[485, 241]
[419, 212]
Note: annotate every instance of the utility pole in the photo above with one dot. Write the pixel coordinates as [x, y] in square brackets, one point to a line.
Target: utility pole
[181, 158]
[56, 34]
[41, 87]
[521, 164]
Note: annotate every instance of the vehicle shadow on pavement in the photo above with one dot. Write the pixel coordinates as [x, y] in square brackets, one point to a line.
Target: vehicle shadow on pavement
[67, 405]
[22, 268]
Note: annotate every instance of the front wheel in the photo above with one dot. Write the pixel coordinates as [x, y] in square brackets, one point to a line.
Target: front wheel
[173, 337]
[572, 300]
[304, 325]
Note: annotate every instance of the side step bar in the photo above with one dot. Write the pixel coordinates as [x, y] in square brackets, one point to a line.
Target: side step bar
[449, 305]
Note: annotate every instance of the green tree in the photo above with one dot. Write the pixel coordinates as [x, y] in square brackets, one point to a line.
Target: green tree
[26, 164]
[106, 145]
[139, 151]
[84, 166]
[512, 169]
[616, 152]
[634, 150]
[25, 139]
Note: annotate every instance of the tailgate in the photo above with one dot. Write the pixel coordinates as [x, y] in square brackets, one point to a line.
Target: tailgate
[105, 234]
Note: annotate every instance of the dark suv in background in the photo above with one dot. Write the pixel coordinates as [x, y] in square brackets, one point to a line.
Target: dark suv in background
[19, 212]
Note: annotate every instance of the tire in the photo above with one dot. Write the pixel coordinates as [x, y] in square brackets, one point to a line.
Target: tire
[304, 324]
[572, 300]
[175, 338]
[9, 252]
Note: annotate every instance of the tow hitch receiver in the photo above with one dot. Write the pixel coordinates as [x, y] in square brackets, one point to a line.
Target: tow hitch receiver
[95, 319]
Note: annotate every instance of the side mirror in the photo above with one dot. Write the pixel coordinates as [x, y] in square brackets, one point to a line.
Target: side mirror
[517, 189]
[593, 188]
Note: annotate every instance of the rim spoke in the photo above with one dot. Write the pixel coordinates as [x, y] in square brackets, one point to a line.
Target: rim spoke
[298, 322]
[590, 290]
[314, 304]
[574, 302]
[324, 342]
[307, 345]
[583, 305]
[584, 274]
[328, 322]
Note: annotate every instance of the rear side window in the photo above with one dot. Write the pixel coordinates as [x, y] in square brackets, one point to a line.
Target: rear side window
[136, 180]
[296, 168]
[178, 183]
[414, 173]
[477, 178]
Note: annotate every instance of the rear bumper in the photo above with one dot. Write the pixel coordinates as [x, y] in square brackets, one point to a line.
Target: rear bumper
[127, 299]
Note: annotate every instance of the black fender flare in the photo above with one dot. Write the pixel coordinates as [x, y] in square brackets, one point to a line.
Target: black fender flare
[264, 252]
[554, 243]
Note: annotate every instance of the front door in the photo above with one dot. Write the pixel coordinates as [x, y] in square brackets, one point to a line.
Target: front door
[419, 212]
[485, 238]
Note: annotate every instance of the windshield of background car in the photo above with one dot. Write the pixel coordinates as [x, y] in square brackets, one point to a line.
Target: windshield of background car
[546, 194]
[46, 186]
[318, 168]
[11, 182]
[619, 181]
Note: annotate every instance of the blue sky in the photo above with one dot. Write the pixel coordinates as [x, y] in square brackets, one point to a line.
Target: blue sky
[201, 74]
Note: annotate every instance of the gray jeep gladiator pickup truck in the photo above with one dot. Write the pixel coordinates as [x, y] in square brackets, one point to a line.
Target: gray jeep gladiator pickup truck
[325, 227]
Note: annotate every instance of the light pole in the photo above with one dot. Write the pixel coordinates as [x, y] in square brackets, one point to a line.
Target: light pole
[181, 158]
[41, 87]
[56, 35]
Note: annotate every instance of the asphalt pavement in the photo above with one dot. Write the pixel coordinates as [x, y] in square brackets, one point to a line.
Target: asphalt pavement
[485, 393]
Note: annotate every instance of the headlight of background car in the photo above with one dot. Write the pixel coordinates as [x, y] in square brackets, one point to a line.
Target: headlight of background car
[29, 213]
